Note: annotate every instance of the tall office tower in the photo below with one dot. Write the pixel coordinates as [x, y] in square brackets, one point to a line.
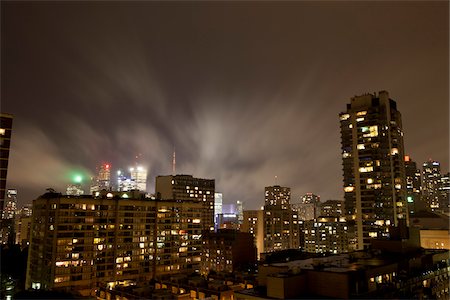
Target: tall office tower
[124, 183]
[431, 182]
[218, 202]
[9, 211]
[373, 165]
[326, 235]
[413, 186]
[186, 187]
[445, 192]
[240, 211]
[103, 179]
[5, 142]
[139, 176]
[280, 222]
[254, 224]
[332, 208]
[74, 189]
[82, 243]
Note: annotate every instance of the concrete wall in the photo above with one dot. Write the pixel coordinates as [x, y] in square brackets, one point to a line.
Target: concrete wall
[289, 287]
[434, 239]
[328, 284]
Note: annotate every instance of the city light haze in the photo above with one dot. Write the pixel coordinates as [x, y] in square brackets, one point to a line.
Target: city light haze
[243, 91]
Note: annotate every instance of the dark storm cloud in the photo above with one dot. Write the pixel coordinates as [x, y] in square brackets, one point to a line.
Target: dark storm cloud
[243, 91]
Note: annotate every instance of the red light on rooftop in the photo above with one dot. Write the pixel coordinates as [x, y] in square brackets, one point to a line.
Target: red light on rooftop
[107, 166]
[407, 158]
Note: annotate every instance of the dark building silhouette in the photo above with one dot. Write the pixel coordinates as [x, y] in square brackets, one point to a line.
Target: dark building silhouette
[227, 250]
[6, 121]
[413, 186]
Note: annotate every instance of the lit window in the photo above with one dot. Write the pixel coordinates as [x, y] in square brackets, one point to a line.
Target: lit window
[349, 189]
[2, 131]
[394, 151]
[350, 126]
[345, 117]
[369, 180]
[359, 119]
[361, 146]
[365, 169]
[361, 113]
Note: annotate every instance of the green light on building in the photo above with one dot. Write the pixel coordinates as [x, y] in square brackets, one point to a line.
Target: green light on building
[78, 178]
[410, 199]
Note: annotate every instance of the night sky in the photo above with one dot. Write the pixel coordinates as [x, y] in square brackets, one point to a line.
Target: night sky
[244, 91]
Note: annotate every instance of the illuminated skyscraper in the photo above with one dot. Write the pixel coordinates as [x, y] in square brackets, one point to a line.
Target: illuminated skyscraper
[5, 142]
[139, 176]
[240, 211]
[431, 184]
[280, 222]
[103, 179]
[218, 201]
[373, 165]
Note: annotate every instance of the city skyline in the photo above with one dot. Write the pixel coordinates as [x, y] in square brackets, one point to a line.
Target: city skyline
[242, 103]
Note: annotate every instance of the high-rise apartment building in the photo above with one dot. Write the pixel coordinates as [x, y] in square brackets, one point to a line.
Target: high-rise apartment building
[332, 208]
[280, 222]
[116, 237]
[413, 186]
[326, 235]
[254, 224]
[5, 143]
[308, 208]
[187, 187]
[373, 165]
[431, 184]
[9, 211]
[445, 192]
